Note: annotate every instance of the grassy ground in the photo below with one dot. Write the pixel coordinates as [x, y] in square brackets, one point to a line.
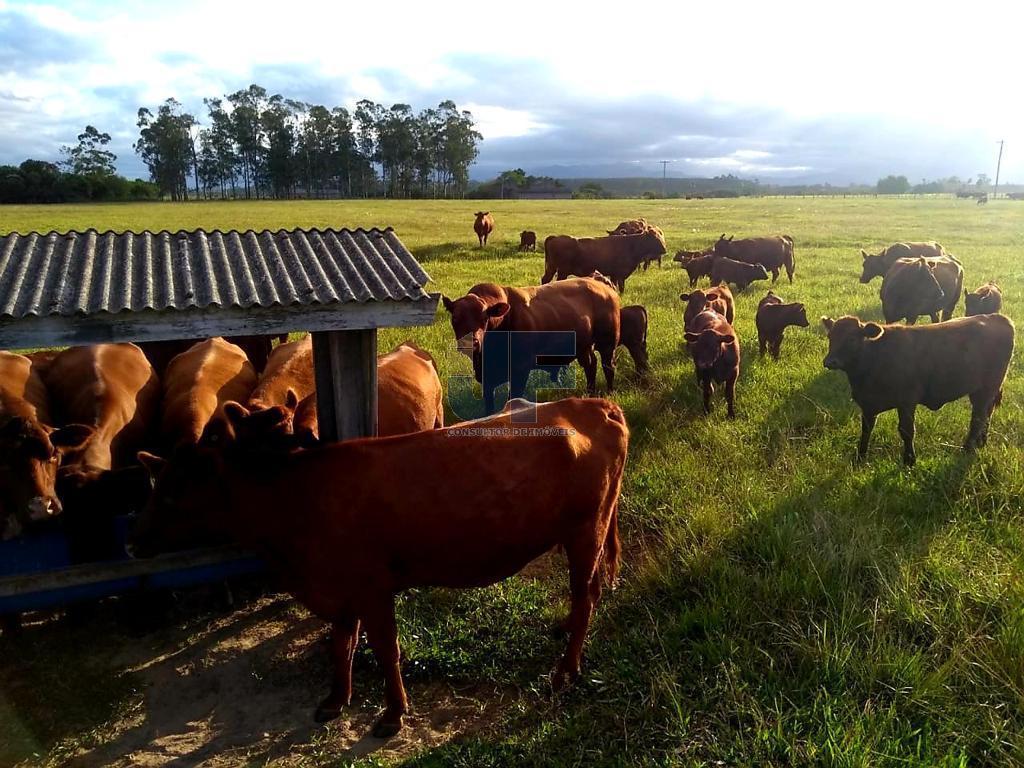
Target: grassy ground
[781, 605]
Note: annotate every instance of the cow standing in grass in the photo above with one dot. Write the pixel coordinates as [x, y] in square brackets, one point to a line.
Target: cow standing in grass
[483, 226]
[773, 253]
[896, 367]
[615, 256]
[877, 264]
[772, 318]
[922, 286]
[716, 356]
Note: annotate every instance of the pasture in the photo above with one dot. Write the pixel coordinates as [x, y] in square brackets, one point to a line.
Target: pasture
[780, 604]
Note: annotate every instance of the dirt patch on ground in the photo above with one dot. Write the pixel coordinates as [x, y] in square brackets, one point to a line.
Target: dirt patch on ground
[242, 687]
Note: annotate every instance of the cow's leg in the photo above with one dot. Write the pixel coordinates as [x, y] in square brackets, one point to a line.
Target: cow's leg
[709, 390]
[912, 320]
[621, 285]
[775, 275]
[549, 272]
[607, 353]
[762, 343]
[776, 346]
[588, 360]
[907, 433]
[584, 556]
[344, 639]
[867, 424]
[789, 273]
[982, 405]
[382, 633]
[935, 317]
[730, 395]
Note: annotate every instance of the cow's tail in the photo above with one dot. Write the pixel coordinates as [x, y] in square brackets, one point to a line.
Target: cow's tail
[790, 257]
[612, 549]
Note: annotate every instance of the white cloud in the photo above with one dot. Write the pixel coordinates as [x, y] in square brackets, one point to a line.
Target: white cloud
[495, 122]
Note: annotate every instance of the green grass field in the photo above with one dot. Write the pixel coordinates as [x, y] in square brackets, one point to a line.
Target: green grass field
[781, 605]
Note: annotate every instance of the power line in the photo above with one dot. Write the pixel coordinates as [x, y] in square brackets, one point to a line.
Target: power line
[664, 166]
[999, 164]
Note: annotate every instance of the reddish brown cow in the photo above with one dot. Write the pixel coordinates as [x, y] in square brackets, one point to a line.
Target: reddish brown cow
[616, 256]
[633, 336]
[876, 265]
[527, 240]
[410, 397]
[196, 385]
[718, 299]
[584, 306]
[773, 253]
[922, 286]
[697, 264]
[483, 226]
[257, 349]
[724, 270]
[986, 300]
[30, 450]
[638, 227]
[111, 388]
[367, 519]
[716, 356]
[899, 367]
[289, 369]
[772, 318]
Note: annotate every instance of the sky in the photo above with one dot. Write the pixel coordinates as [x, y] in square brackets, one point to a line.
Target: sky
[799, 91]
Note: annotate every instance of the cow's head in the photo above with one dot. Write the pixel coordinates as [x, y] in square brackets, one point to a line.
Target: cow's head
[30, 455]
[654, 241]
[873, 266]
[759, 272]
[187, 503]
[695, 302]
[927, 288]
[799, 315]
[480, 214]
[983, 301]
[847, 338]
[707, 346]
[471, 317]
[723, 246]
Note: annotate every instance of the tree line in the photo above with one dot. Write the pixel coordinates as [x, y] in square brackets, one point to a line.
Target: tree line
[256, 145]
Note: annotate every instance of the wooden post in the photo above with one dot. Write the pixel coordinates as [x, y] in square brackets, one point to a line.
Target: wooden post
[346, 383]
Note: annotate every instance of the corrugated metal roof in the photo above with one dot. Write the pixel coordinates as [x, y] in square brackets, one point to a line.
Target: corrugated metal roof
[85, 273]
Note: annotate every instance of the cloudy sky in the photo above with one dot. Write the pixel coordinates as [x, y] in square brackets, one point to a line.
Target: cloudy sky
[799, 90]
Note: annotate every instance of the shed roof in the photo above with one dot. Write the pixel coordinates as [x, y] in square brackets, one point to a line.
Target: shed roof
[203, 283]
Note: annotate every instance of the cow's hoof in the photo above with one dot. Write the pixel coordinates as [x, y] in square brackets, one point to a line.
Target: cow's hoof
[327, 711]
[385, 728]
[562, 679]
[560, 628]
[730, 415]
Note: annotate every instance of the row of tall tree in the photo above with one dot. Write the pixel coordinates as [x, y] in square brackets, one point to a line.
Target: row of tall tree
[255, 145]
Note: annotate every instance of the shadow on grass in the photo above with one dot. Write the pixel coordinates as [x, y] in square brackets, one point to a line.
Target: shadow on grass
[463, 252]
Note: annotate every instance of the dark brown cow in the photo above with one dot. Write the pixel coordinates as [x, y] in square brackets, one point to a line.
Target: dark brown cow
[30, 450]
[718, 299]
[773, 253]
[350, 525]
[483, 226]
[724, 270]
[527, 240]
[922, 286]
[616, 256]
[773, 317]
[111, 388]
[716, 356]
[899, 367]
[876, 265]
[584, 306]
[638, 227]
[697, 264]
[633, 336]
[986, 300]
[196, 385]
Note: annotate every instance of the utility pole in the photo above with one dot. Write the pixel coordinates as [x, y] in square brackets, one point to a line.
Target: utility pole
[999, 163]
[664, 165]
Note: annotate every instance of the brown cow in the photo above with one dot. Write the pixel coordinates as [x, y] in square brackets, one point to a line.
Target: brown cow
[986, 300]
[257, 348]
[697, 264]
[772, 318]
[900, 367]
[716, 356]
[586, 307]
[527, 240]
[483, 226]
[718, 299]
[350, 525]
[876, 265]
[633, 336]
[725, 270]
[30, 450]
[290, 368]
[196, 385]
[616, 256]
[111, 388]
[772, 253]
[638, 227]
[922, 286]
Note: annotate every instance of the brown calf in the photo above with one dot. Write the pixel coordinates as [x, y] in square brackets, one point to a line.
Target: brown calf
[725, 270]
[772, 319]
[697, 264]
[900, 367]
[350, 525]
[483, 226]
[527, 240]
[633, 336]
[986, 300]
[716, 356]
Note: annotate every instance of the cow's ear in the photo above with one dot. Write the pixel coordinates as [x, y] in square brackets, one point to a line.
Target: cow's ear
[291, 400]
[487, 213]
[863, 254]
[234, 412]
[498, 310]
[828, 322]
[722, 237]
[72, 437]
[691, 337]
[872, 331]
[726, 338]
[154, 464]
[731, 237]
[448, 303]
[684, 297]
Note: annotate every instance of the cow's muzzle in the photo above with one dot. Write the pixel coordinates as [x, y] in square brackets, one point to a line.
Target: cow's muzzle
[42, 507]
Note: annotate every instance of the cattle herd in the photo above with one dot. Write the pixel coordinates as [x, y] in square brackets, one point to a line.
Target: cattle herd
[210, 440]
